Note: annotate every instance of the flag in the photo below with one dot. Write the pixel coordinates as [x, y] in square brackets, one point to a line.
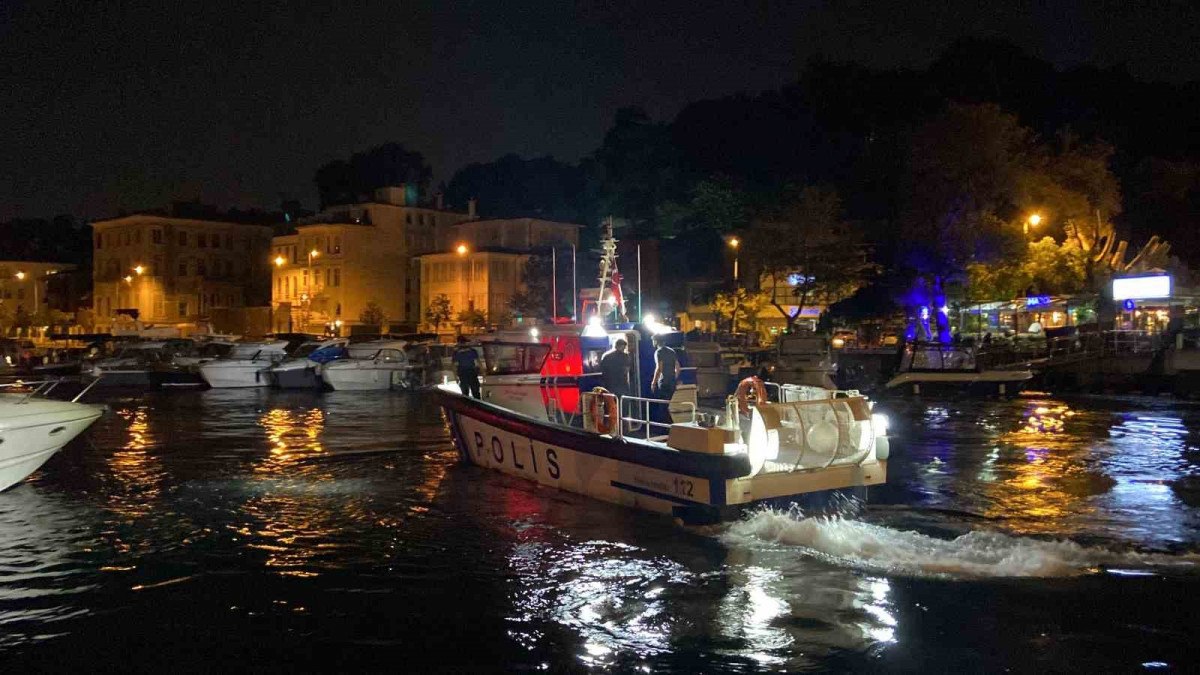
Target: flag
[617, 295]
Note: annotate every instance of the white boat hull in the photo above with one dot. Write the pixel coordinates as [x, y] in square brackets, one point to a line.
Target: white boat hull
[31, 432]
[226, 376]
[363, 379]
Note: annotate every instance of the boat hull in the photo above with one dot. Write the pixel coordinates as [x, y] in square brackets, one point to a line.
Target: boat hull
[227, 377]
[363, 379]
[296, 378]
[28, 440]
[696, 488]
[986, 383]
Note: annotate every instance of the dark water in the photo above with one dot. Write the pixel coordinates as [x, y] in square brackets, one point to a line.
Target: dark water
[269, 531]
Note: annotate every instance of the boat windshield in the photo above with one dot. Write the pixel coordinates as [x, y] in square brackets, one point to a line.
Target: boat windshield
[514, 359]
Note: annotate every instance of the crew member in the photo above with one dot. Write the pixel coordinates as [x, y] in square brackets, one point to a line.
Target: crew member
[666, 376]
[615, 366]
[466, 365]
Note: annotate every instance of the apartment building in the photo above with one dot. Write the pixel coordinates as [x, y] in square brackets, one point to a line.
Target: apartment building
[338, 261]
[165, 269]
[481, 262]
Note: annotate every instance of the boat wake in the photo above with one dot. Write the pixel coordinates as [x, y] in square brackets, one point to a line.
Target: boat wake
[973, 555]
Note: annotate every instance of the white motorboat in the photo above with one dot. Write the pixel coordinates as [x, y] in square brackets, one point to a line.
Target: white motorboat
[300, 370]
[370, 366]
[33, 428]
[246, 365]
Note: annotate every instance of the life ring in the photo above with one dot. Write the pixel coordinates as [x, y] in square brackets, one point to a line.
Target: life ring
[606, 423]
[743, 393]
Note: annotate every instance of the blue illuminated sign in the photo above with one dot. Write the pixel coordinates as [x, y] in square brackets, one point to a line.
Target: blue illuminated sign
[1037, 301]
[1129, 305]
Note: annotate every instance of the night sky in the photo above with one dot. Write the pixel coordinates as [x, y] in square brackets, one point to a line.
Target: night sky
[110, 105]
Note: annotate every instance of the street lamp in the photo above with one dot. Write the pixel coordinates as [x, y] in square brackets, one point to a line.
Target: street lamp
[279, 261]
[139, 269]
[462, 250]
[21, 277]
[1034, 220]
[735, 243]
[308, 284]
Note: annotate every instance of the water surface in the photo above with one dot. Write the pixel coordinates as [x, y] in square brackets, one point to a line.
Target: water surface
[277, 531]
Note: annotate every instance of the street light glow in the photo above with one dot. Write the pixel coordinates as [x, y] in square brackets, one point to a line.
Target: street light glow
[139, 269]
[314, 253]
[128, 279]
[462, 249]
[1035, 219]
[279, 261]
[20, 276]
[734, 242]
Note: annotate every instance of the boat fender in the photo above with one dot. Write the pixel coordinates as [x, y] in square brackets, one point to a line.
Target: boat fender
[605, 423]
[745, 387]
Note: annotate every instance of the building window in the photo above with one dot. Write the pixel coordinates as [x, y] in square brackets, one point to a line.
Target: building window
[137, 236]
[156, 236]
[229, 241]
[408, 219]
[201, 240]
[182, 238]
[183, 268]
[337, 276]
[201, 268]
[99, 242]
[183, 309]
[337, 310]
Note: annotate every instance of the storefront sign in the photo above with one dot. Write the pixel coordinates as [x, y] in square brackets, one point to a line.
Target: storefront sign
[1138, 288]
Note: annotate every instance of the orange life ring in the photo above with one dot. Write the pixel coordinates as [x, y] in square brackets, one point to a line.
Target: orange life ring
[743, 393]
[605, 423]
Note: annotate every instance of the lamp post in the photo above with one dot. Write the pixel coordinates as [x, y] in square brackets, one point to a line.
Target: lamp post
[137, 298]
[33, 280]
[735, 243]
[1033, 220]
[462, 250]
[308, 284]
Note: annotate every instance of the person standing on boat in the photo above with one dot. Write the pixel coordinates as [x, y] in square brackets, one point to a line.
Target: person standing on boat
[466, 365]
[615, 366]
[666, 376]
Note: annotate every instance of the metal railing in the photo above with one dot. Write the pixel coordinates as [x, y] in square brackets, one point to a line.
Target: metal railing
[645, 422]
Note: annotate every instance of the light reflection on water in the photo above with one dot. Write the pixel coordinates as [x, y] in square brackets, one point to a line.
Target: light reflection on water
[279, 521]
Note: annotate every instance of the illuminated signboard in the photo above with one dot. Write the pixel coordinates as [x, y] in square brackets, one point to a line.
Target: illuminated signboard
[1138, 288]
[1037, 301]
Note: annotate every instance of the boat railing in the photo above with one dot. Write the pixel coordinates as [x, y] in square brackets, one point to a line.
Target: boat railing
[639, 417]
[42, 388]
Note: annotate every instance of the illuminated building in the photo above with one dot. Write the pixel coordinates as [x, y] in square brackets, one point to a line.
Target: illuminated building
[161, 268]
[483, 261]
[349, 255]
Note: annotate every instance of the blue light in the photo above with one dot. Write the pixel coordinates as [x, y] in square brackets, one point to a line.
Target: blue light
[924, 313]
[1037, 301]
[1129, 305]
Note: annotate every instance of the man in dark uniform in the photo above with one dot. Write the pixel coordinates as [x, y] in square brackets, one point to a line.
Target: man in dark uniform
[466, 365]
[615, 366]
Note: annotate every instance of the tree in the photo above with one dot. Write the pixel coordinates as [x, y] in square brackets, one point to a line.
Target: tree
[739, 308]
[533, 301]
[438, 311]
[390, 164]
[372, 315]
[512, 187]
[806, 251]
[473, 319]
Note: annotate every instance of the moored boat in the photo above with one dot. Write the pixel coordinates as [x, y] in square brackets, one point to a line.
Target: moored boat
[370, 366]
[301, 370]
[33, 428]
[246, 365]
[933, 368]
